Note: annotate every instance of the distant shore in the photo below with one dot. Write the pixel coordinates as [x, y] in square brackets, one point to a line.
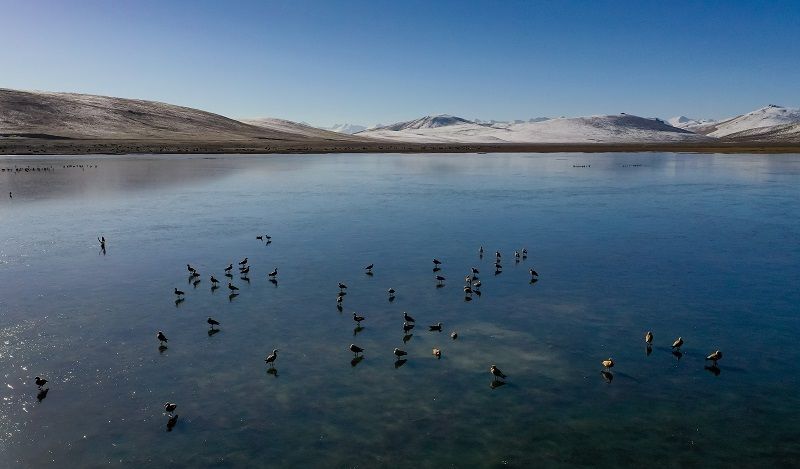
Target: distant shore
[49, 146]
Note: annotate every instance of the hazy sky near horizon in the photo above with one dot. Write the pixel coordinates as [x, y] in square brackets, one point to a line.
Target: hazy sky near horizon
[385, 61]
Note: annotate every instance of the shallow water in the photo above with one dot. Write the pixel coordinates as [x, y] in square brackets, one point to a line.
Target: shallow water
[699, 246]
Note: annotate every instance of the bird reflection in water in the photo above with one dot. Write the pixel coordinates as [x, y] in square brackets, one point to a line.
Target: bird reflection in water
[533, 281]
[232, 296]
[407, 337]
[713, 369]
[677, 354]
[496, 384]
[162, 348]
[400, 362]
[355, 361]
[272, 371]
[339, 308]
[42, 394]
[358, 329]
[648, 350]
[607, 376]
[179, 301]
[273, 281]
[213, 331]
[173, 419]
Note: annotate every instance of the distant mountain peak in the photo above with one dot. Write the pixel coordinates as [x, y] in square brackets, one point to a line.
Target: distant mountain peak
[428, 122]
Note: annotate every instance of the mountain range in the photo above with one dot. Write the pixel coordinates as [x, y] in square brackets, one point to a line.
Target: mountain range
[64, 116]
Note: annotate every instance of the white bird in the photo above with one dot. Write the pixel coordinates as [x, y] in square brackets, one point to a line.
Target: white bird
[608, 364]
[714, 357]
[678, 342]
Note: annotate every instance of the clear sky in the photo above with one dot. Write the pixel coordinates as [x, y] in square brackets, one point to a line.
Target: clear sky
[385, 61]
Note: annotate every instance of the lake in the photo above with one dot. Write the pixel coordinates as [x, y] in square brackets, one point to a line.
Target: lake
[705, 247]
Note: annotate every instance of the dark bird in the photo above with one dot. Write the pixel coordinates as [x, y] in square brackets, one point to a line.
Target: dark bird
[369, 267]
[339, 299]
[714, 357]
[246, 270]
[190, 268]
[342, 286]
[243, 262]
[40, 381]
[407, 318]
[496, 372]
[212, 322]
[358, 318]
[214, 280]
[170, 407]
[497, 266]
[356, 349]
[194, 274]
[533, 273]
[407, 327]
[467, 290]
[475, 271]
[391, 292]
[524, 253]
[272, 357]
[454, 335]
[678, 343]
[274, 272]
[399, 353]
[268, 237]
[178, 292]
[231, 287]
[440, 279]
[229, 268]
[436, 327]
[480, 251]
[436, 261]
[497, 254]
[161, 337]
[260, 238]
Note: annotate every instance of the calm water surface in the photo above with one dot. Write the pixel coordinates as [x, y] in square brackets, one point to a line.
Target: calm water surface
[700, 246]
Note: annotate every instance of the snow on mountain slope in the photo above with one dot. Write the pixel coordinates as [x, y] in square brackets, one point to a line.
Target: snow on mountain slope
[290, 127]
[683, 122]
[427, 122]
[777, 133]
[621, 128]
[75, 115]
[346, 128]
[763, 119]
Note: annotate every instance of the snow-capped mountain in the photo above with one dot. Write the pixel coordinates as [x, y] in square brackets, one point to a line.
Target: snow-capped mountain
[683, 122]
[346, 128]
[764, 120]
[619, 128]
[427, 122]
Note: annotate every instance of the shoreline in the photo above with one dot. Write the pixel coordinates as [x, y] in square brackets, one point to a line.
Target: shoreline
[48, 147]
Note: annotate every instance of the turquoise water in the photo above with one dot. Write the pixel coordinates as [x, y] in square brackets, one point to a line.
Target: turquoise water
[699, 246]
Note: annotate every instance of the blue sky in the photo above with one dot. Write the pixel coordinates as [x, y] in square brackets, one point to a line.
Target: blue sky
[385, 61]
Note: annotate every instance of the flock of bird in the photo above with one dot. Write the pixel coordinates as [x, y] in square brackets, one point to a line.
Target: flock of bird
[472, 287]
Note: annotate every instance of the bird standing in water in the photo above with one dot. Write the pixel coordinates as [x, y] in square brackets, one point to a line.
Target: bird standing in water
[714, 357]
[212, 322]
[649, 337]
[356, 349]
[161, 337]
[496, 372]
[678, 343]
[272, 357]
[608, 364]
